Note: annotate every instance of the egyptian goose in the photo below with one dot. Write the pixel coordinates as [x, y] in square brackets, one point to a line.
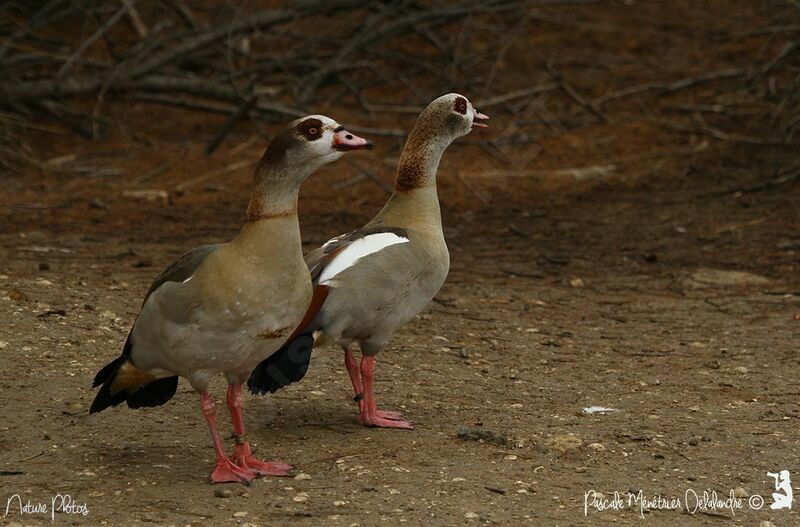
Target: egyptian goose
[206, 314]
[369, 282]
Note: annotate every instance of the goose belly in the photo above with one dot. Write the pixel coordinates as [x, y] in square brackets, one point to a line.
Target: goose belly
[370, 301]
[230, 340]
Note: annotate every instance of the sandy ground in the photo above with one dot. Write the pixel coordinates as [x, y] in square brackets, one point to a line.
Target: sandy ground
[677, 310]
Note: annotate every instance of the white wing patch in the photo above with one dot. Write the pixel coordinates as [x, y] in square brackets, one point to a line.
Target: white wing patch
[360, 248]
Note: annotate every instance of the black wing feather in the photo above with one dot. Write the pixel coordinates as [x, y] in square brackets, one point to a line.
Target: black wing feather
[284, 367]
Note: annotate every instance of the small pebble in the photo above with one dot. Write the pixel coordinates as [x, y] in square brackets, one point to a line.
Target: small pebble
[694, 441]
[223, 493]
[580, 470]
[739, 492]
[740, 369]
[563, 442]
[470, 515]
[95, 203]
[240, 514]
[766, 523]
[597, 447]
[302, 475]
[339, 503]
[576, 282]
[18, 296]
[303, 496]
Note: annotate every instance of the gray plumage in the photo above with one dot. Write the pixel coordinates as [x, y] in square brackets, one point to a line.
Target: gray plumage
[385, 273]
[183, 267]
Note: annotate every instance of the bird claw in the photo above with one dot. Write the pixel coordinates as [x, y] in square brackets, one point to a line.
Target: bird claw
[389, 414]
[380, 422]
[227, 471]
[263, 468]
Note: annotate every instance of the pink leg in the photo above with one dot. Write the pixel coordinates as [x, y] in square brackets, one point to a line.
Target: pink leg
[225, 471]
[243, 455]
[355, 378]
[370, 415]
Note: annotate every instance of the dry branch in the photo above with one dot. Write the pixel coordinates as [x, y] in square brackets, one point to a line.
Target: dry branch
[516, 94]
[283, 62]
[670, 86]
[102, 30]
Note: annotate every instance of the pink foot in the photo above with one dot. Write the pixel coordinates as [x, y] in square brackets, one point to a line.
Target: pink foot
[389, 414]
[228, 472]
[381, 422]
[369, 414]
[243, 455]
[265, 468]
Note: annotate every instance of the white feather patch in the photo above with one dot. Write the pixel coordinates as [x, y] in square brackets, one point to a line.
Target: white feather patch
[360, 248]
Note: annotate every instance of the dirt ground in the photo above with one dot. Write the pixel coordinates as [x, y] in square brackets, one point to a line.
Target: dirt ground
[664, 285]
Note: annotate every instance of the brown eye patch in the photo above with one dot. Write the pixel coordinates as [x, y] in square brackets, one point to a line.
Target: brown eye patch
[460, 105]
[311, 129]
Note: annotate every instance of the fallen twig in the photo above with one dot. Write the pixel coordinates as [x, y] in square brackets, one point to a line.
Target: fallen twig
[181, 187]
[719, 134]
[102, 30]
[573, 94]
[235, 117]
[371, 175]
[669, 86]
[515, 94]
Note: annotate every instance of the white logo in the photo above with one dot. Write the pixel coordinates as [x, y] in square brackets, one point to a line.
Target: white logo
[782, 499]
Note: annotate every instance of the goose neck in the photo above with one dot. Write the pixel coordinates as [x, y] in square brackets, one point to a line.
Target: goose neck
[420, 160]
[275, 192]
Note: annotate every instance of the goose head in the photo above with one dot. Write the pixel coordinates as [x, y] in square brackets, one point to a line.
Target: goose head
[302, 147]
[443, 121]
[310, 142]
[453, 115]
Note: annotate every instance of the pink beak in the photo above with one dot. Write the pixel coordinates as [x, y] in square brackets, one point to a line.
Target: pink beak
[345, 141]
[481, 117]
